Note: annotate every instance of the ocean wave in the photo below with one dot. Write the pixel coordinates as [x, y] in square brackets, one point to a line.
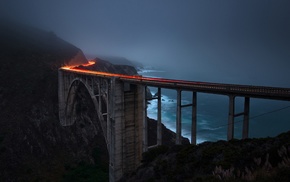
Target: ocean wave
[150, 71]
[168, 114]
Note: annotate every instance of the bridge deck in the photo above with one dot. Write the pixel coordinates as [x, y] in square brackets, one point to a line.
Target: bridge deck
[275, 93]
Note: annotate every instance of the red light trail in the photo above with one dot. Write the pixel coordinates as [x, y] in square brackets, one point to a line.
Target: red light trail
[275, 93]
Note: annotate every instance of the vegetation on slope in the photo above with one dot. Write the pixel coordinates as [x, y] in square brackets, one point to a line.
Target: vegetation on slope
[265, 159]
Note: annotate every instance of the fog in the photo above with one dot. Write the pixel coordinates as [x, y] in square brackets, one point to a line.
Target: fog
[242, 41]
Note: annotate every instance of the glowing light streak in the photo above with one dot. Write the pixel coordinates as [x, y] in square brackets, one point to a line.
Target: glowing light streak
[201, 86]
[91, 62]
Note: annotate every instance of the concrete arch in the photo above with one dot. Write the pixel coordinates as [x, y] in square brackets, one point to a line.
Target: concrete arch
[121, 110]
[70, 99]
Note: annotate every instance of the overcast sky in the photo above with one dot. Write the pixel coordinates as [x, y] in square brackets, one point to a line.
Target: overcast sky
[245, 40]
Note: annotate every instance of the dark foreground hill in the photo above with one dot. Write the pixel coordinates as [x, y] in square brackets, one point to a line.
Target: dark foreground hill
[33, 145]
[264, 159]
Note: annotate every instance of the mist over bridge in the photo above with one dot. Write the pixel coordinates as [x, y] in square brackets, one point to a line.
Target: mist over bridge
[120, 102]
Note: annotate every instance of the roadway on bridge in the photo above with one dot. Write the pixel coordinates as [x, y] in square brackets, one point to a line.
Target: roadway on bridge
[275, 93]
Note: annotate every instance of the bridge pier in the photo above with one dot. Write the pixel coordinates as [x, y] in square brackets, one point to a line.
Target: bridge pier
[126, 112]
[232, 115]
[246, 118]
[145, 121]
[194, 118]
[179, 107]
[178, 118]
[159, 124]
[159, 120]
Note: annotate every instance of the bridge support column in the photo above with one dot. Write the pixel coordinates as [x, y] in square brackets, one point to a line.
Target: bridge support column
[246, 118]
[159, 124]
[145, 121]
[231, 117]
[178, 118]
[194, 118]
[126, 115]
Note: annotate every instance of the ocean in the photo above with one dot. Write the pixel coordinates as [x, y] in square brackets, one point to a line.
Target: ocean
[267, 117]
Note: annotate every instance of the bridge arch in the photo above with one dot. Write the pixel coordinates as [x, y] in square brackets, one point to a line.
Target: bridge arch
[119, 107]
[70, 107]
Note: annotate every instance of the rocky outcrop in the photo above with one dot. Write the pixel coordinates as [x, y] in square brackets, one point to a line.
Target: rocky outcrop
[168, 136]
[107, 66]
[120, 61]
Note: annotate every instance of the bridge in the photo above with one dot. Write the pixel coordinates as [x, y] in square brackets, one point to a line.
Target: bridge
[120, 102]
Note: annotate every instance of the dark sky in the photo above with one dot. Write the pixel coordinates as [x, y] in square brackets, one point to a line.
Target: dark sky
[246, 41]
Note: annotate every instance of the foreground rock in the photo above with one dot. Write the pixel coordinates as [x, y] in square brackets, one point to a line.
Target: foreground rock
[168, 136]
[265, 159]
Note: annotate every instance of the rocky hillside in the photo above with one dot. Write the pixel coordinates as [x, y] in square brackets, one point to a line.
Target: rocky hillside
[120, 61]
[264, 159]
[33, 145]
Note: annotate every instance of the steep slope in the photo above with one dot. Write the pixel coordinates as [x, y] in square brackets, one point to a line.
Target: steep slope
[33, 145]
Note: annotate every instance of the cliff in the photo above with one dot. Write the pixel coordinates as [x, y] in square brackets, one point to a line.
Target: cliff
[33, 145]
[107, 66]
[168, 136]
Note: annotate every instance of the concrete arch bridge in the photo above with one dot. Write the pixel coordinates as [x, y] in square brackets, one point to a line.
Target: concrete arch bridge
[120, 103]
